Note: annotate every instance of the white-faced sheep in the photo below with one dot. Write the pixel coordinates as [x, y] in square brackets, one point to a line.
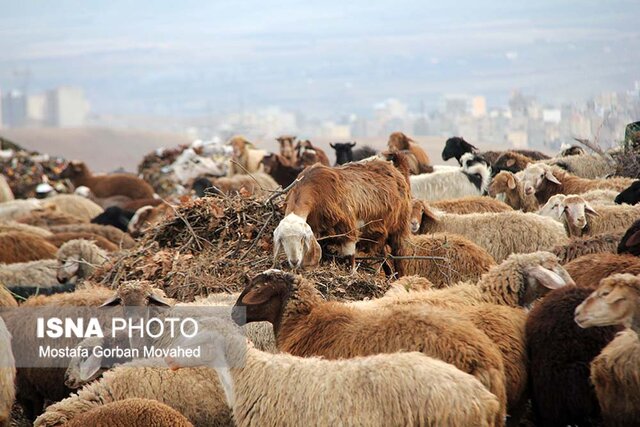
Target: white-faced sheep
[133, 412]
[544, 181]
[358, 201]
[614, 373]
[78, 259]
[305, 325]
[508, 187]
[472, 179]
[583, 219]
[500, 233]
[107, 185]
[7, 376]
[461, 259]
[246, 159]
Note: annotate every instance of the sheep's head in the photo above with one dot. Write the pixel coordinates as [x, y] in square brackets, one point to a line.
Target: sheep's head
[420, 215]
[286, 146]
[271, 161]
[344, 151]
[456, 147]
[511, 161]
[74, 169]
[630, 242]
[399, 141]
[503, 182]
[554, 208]
[239, 145]
[138, 293]
[145, 218]
[83, 191]
[575, 210]
[295, 236]
[572, 150]
[615, 302]
[78, 259]
[535, 175]
[542, 273]
[264, 297]
[630, 195]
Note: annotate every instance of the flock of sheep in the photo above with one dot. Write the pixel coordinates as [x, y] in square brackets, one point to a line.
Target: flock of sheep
[515, 292]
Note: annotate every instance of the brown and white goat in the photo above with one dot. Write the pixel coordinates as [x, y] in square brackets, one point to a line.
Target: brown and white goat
[358, 201]
[287, 150]
[398, 141]
[245, 159]
[102, 186]
[308, 154]
[280, 170]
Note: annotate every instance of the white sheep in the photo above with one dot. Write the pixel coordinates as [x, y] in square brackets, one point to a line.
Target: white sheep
[78, 259]
[14, 209]
[472, 179]
[301, 248]
[7, 376]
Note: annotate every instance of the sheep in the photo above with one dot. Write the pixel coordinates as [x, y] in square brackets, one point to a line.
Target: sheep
[582, 219]
[345, 152]
[88, 296]
[309, 155]
[398, 141]
[147, 217]
[600, 197]
[463, 259]
[21, 247]
[74, 205]
[588, 270]
[508, 187]
[472, 179]
[7, 375]
[510, 161]
[544, 181]
[559, 356]
[589, 166]
[254, 183]
[571, 150]
[107, 185]
[7, 226]
[457, 146]
[59, 239]
[499, 233]
[614, 372]
[47, 217]
[305, 325]
[630, 242]
[204, 405]
[356, 391]
[352, 202]
[115, 216]
[246, 159]
[6, 298]
[462, 205]
[516, 282]
[282, 172]
[630, 195]
[133, 412]
[103, 202]
[78, 259]
[109, 232]
[16, 208]
[26, 278]
[5, 190]
[287, 150]
[579, 246]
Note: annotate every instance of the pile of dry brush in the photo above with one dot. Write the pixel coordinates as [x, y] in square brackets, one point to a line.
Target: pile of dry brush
[214, 244]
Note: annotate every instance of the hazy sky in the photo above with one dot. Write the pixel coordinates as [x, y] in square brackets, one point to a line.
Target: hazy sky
[321, 57]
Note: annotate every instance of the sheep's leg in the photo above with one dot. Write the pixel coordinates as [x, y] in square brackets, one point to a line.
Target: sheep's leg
[395, 242]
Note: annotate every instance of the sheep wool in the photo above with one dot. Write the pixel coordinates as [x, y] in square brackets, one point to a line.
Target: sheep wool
[7, 375]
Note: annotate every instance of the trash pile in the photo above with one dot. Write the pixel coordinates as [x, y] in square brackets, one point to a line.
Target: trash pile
[154, 169]
[215, 244]
[26, 170]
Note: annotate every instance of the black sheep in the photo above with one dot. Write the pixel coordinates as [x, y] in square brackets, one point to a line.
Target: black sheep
[560, 354]
[456, 147]
[115, 216]
[630, 243]
[345, 152]
[630, 195]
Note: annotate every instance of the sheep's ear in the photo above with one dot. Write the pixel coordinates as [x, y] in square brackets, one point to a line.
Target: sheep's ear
[511, 182]
[352, 144]
[427, 213]
[511, 162]
[589, 209]
[259, 294]
[111, 302]
[158, 301]
[547, 278]
[549, 175]
[633, 240]
[313, 251]
[332, 145]
[89, 367]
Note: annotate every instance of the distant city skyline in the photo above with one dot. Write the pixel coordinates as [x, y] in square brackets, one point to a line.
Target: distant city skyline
[325, 59]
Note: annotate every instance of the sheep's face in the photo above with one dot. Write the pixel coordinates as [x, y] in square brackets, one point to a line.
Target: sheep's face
[456, 147]
[68, 269]
[613, 303]
[532, 179]
[344, 152]
[504, 181]
[576, 210]
[286, 147]
[554, 208]
[269, 161]
[543, 273]
[417, 210]
[137, 293]
[263, 298]
[399, 141]
[630, 195]
[295, 236]
[239, 146]
[73, 170]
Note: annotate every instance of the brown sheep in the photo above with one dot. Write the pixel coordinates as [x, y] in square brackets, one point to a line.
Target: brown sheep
[59, 239]
[398, 141]
[507, 184]
[352, 202]
[255, 183]
[614, 372]
[107, 185]
[48, 217]
[306, 325]
[579, 246]
[588, 270]
[544, 181]
[281, 171]
[511, 161]
[287, 150]
[111, 233]
[246, 159]
[309, 155]
[463, 205]
[464, 260]
[22, 247]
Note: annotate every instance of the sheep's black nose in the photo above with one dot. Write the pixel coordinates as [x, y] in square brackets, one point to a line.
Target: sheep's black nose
[239, 315]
